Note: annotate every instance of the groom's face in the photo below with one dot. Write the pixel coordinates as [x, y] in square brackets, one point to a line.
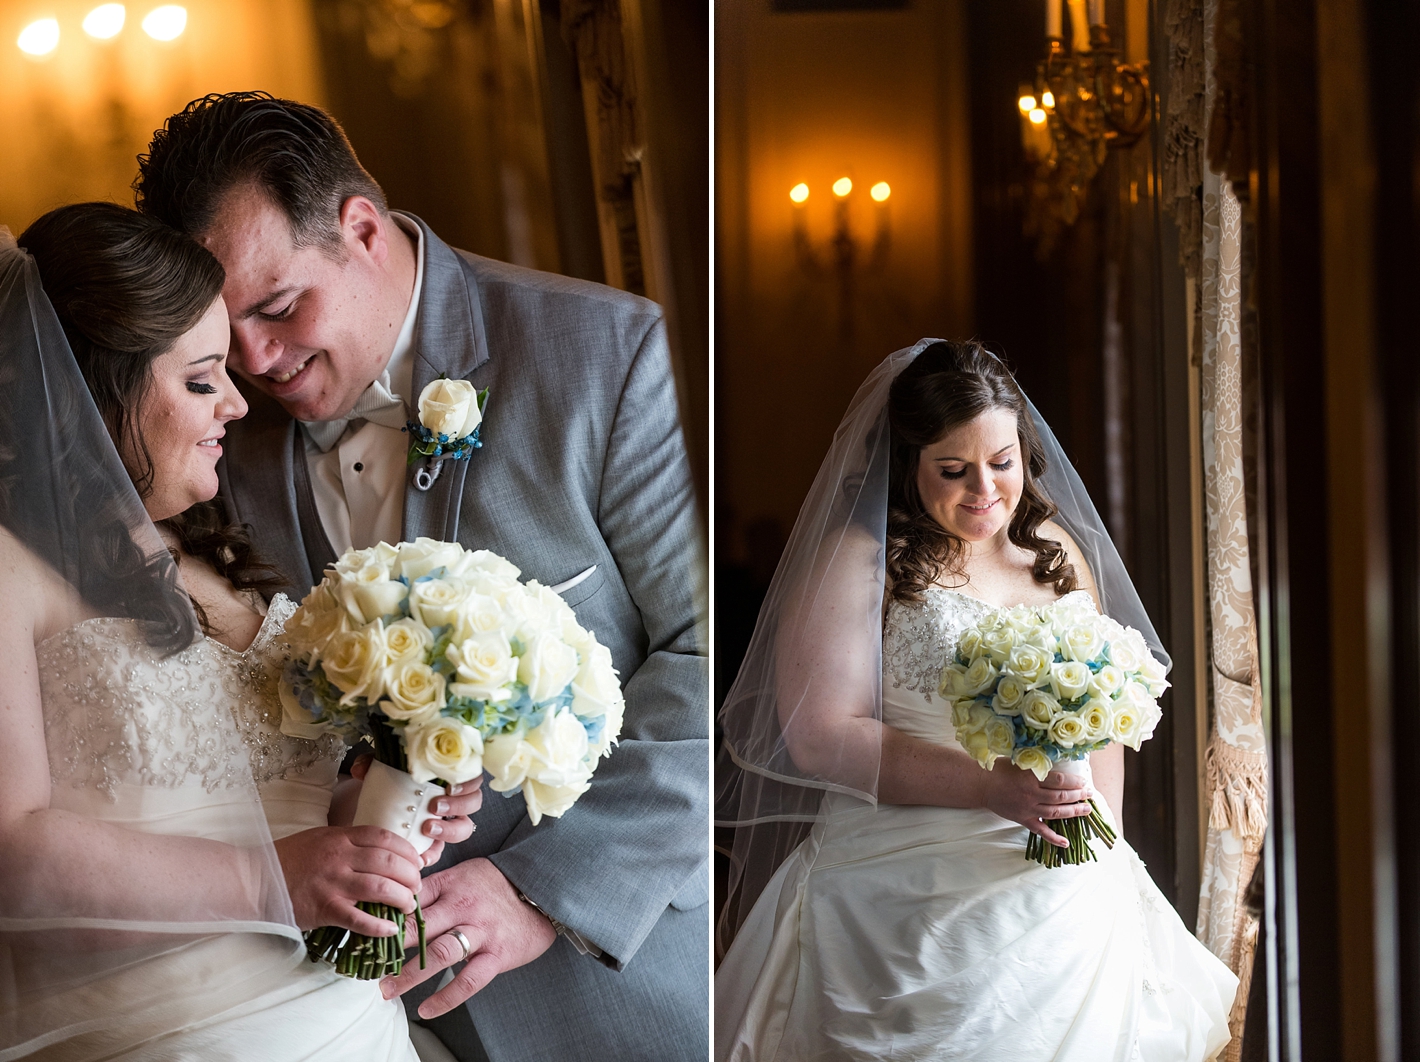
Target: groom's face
[311, 326]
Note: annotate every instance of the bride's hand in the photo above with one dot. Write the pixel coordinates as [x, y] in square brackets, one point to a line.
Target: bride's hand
[453, 809]
[331, 868]
[1017, 795]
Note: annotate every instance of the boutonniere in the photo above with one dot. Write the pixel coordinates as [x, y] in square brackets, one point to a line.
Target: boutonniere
[450, 418]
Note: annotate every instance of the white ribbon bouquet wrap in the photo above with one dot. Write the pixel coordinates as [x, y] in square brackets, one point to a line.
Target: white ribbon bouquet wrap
[1045, 686]
[449, 666]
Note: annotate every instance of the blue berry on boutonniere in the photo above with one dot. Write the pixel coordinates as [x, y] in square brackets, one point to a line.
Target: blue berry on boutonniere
[450, 419]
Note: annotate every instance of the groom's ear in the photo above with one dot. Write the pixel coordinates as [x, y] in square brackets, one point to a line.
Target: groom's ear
[364, 230]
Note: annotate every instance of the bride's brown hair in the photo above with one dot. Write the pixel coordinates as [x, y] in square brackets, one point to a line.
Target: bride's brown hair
[125, 287]
[946, 386]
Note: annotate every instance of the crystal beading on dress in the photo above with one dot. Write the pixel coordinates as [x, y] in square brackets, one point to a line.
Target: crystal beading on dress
[120, 716]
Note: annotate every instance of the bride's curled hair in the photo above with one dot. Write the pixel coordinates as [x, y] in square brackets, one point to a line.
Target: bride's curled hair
[946, 386]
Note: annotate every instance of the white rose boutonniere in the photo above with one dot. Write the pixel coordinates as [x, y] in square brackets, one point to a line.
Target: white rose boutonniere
[450, 419]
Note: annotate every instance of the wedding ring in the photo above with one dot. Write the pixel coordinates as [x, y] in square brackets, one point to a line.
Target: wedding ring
[463, 943]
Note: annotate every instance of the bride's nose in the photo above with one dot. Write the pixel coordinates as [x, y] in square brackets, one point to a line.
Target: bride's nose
[253, 353]
[230, 405]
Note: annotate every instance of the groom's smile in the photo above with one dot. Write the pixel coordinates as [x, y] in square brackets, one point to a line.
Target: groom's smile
[313, 320]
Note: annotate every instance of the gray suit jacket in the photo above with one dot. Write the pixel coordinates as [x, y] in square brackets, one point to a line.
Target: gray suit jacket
[582, 463]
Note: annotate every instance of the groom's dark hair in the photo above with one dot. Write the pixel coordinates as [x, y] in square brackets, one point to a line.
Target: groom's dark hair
[295, 153]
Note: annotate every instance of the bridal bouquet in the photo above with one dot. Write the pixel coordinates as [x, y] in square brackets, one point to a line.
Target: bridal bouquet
[450, 667]
[1045, 686]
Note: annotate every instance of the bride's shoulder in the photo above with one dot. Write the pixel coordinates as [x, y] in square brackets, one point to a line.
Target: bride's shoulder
[36, 597]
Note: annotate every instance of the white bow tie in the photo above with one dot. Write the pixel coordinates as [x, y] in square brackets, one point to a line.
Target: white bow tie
[377, 404]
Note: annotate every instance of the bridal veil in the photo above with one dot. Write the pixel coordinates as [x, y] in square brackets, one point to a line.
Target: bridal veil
[96, 963]
[817, 645]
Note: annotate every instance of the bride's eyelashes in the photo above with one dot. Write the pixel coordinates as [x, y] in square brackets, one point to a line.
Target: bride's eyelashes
[949, 474]
[197, 387]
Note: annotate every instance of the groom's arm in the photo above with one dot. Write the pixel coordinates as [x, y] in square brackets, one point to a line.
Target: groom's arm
[637, 838]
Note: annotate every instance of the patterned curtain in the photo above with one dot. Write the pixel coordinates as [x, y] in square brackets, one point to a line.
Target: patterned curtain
[1236, 757]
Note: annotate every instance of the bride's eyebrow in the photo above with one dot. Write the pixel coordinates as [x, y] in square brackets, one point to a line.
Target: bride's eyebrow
[210, 357]
[266, 300]
[998, 453]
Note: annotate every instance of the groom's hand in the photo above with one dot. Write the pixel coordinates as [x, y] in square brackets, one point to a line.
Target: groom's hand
[502, 931]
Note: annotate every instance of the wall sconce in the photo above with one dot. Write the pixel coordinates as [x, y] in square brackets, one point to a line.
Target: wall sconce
[1084, 102]
[841, 257]
[105, 22]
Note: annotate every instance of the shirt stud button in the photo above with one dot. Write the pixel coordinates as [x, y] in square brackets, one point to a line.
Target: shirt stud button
[359, 466]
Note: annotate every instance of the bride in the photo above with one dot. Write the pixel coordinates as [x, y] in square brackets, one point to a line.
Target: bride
[162, 844]
[906, 923]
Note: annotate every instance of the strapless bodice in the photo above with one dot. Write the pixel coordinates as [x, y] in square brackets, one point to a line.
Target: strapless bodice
[150, 741]
[918, 639]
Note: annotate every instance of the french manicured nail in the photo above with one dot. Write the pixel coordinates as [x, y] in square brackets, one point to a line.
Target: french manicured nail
[441, 807]
[388, 929]
[387, 987]
[434, 829]
[456, 790]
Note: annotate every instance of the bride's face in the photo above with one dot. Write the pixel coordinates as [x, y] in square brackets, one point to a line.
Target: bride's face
[183, 416]
[970, 480]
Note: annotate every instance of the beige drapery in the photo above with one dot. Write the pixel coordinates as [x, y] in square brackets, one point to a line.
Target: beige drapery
[1211, 231]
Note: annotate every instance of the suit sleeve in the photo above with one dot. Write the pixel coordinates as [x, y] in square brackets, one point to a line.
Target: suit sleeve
[638, 839]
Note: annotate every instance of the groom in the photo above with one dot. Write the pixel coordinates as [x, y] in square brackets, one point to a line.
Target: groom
[586, 937]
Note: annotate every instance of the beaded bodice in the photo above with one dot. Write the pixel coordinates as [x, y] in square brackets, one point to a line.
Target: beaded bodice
[118, 714]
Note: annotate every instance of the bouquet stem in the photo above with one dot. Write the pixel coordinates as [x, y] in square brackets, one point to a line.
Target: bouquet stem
[366, 958]
[1078, 832]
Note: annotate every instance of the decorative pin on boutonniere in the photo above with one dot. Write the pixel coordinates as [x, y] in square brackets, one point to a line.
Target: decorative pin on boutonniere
[450, 416]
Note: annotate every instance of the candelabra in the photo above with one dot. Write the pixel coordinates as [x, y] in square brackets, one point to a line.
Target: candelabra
[842, 259]
[1084, 102]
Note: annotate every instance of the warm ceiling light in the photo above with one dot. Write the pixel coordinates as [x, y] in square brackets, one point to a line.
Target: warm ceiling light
[166, 23]
[799, 192]
[842, 187]
[1037, 116]
[1026, 104]
[880, 192]
[104, 21]
[1047, 98]
[40, 37]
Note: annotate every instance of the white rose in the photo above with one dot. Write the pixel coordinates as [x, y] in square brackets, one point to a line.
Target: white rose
[1068, 730]
[970, 644]
[549, 763]
[1034, 760]
[1043, 638]
[489, 563]
[1069, 680]
[448, 749]
[1009, 692]
[1039, 709]
[953, 682]
[319, 618]
[1127, 724]
[961, 711]
[406, 640]
[481, 614]
[381, 554]
[1000, 736]
[546, 667]
[414, 693]
[450, 408]
[979, 678]
[978, 747]
[369, 593]
[436, 602]
[1098, 716]
[484, 667]
[355, 662]
[1083, 642]
[1107, 681]
[596, 687]
[424, 555]
[998, 644]
[1030, 663]
[1149, 716]
[296, 722]
[1128, 653]
[1155, 675]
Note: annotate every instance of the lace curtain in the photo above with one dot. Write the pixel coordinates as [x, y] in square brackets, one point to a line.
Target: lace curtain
[1211, 232]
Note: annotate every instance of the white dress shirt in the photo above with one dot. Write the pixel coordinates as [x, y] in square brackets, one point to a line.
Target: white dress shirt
[359, 482]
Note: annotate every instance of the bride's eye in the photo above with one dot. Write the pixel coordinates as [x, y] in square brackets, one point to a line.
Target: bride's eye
[947, 473]
[1005, 467]
[199, 388]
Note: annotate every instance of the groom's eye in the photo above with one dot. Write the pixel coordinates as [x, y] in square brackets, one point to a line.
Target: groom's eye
[281, 314]
[199, 388]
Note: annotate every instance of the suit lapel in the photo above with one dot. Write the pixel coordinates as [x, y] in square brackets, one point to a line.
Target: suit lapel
[449, 340]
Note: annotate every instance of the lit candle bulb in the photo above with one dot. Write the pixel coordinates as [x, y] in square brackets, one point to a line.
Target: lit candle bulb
[1052, 18]
[799, 193]
[1096, 12]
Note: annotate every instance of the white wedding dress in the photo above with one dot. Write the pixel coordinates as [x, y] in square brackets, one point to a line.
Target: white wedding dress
[916, 933]
[130, 739]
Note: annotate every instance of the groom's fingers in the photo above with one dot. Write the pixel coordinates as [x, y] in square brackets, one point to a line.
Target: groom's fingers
[481, 968]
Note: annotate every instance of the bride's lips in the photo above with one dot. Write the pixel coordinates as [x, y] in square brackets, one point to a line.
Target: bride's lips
[213, 444]
[981, 510]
